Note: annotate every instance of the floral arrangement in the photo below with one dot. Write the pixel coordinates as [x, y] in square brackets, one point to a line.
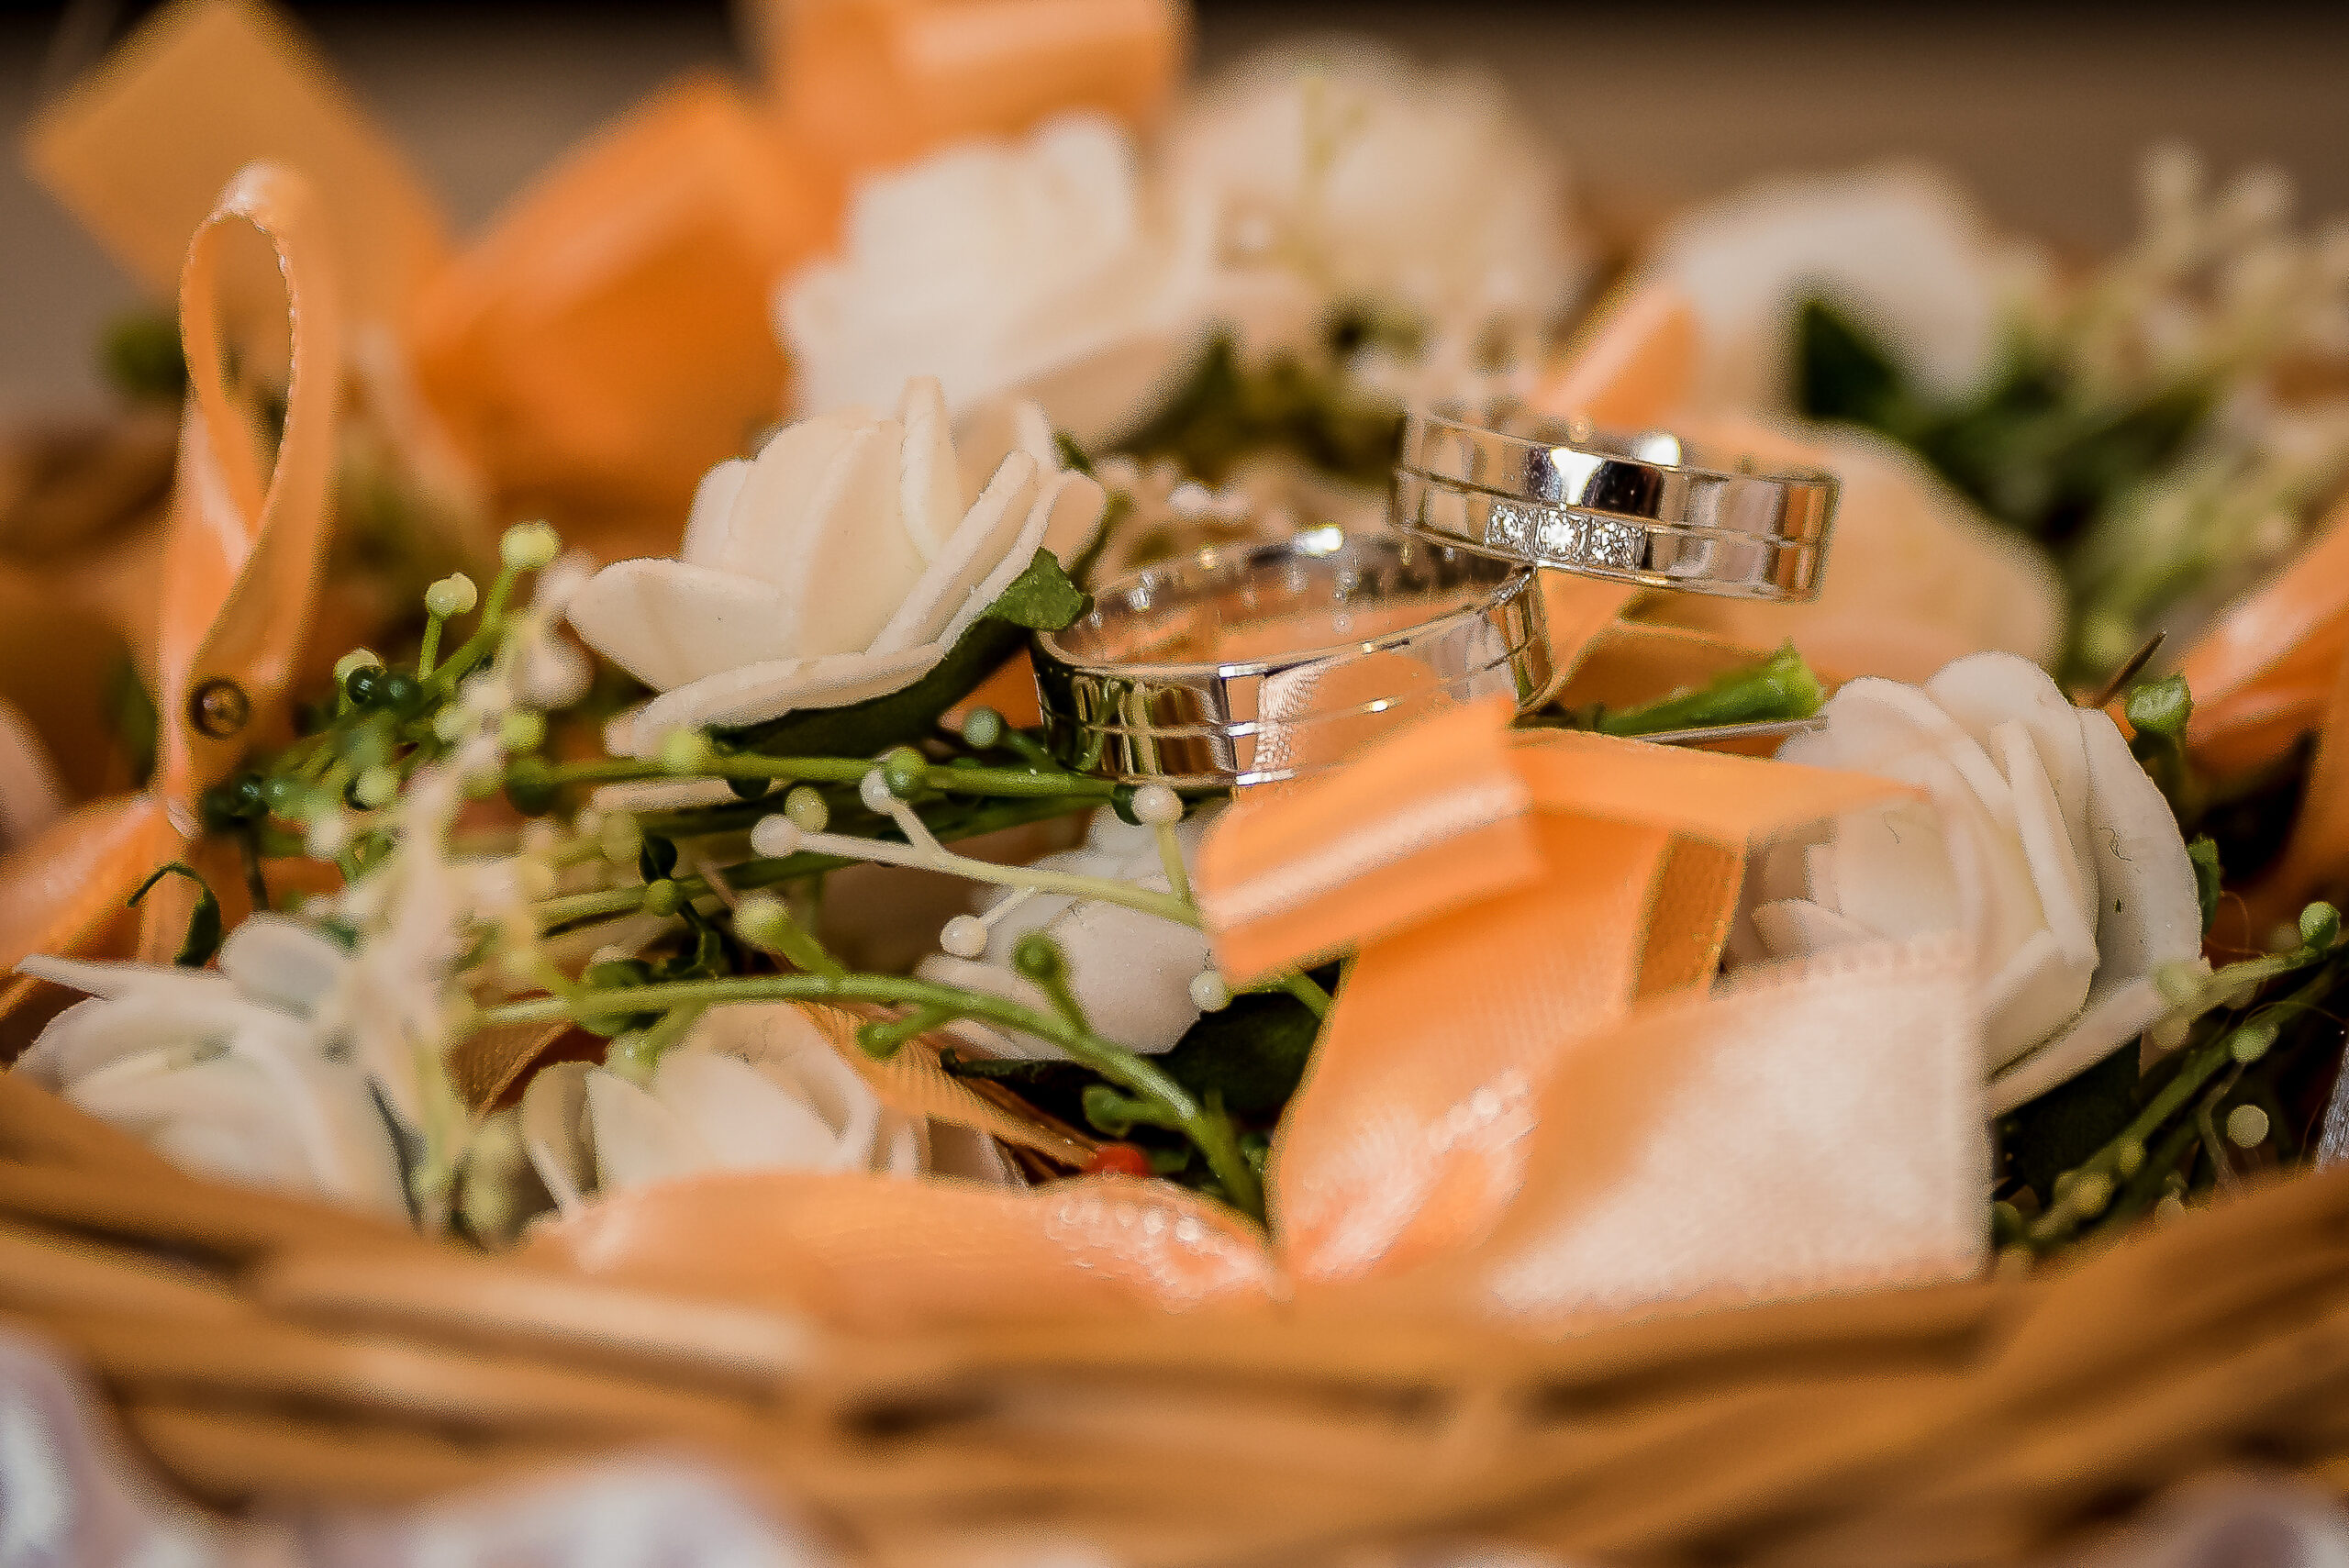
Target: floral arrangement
[699, 901]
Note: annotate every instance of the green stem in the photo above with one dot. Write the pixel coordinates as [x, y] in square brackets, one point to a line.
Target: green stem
[1004, 782]
[2095, 1176]
[1213, 1133]
[1306, 989]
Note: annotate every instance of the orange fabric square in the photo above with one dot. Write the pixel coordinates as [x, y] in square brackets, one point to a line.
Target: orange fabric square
[613, 329]
[1405, 1138]
[1424, 822]
[140, 150]
[875, 82]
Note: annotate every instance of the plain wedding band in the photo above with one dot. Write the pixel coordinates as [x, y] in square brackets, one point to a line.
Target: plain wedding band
[1233, 668]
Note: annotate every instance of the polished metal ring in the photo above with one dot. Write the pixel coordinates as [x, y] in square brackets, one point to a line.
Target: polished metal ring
[1239, 667]
[1633, 508]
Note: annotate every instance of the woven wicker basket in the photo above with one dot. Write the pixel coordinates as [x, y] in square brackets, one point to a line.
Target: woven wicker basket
[258, 1349]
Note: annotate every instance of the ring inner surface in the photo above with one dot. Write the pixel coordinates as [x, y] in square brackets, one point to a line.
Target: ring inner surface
[1323, 594]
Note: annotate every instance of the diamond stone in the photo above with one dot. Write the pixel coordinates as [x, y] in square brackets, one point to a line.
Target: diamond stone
[1559, 536]
[1612, 544]
[1507, 527]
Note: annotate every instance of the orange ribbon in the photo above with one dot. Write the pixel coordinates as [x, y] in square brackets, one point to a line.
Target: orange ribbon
[1546, 933]
[609, 338]
[240, 563]
[2269, 672]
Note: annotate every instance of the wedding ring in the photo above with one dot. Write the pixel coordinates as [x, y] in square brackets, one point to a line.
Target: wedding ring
[1247, 666]
[1634, 508]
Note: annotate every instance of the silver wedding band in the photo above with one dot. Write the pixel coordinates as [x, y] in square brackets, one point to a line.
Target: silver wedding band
[1633, 509]
[1245, 667]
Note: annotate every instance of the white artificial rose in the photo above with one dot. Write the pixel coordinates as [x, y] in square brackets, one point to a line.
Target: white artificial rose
[232, 1073]
[752, 1086]
[1131, 971]
[1044, 267]
[1916, 577]
[838, 564]
[1901, 249]
[1360, 177]
[2041, 838]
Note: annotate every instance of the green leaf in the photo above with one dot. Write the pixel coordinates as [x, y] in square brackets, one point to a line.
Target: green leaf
[1780, 687]
[1840, 371]
[1251, 1053]
[2161, 707]
[142, 359]
[2204, 854]
[204, 928]
[1230, 409]
[2059, 1130]
[1042, 598]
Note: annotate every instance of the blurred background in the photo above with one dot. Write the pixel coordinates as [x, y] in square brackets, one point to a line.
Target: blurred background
[2043, 109]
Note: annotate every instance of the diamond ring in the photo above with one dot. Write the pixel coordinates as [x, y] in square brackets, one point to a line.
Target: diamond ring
[1636, 508]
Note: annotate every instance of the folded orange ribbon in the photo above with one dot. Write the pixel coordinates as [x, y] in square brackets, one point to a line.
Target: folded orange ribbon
[608, 339]
[241, 554]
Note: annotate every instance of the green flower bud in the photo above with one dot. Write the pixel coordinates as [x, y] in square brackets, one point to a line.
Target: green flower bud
[687, 751]
[1040, 958]
[981, 729]
[529, 786]
[905, 771]
[663, 897]
[2319, 926]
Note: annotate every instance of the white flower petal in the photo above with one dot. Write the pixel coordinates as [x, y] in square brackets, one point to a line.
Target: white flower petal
[90, 1037]
[1982, 690]
[774, 509]
[556, 1132]
[740, 1118]
[281, 960]
[931, 487]
[993, 979]
[709, 522]
[1070, 507]
[2030, 997]
[669, 624]
[1900, 248]
[1892, 873]
[852, 562]
[977, 548]
[638, 1140]
[756, 692]
[2113, 1014]
[1794, 928]
[2148, 914]
[2064, 900]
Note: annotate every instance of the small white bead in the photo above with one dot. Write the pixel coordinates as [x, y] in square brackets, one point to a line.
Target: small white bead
[357, 658]
[1208, 993]
[777, 836]
[327, 837]
[873, 790]
[453, 596]
[526, 547]
[1156, 805]
[377, 788]
[964, 935]
[2246, 1126]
